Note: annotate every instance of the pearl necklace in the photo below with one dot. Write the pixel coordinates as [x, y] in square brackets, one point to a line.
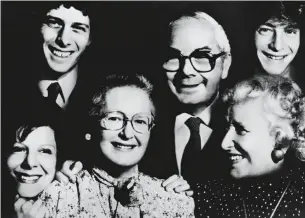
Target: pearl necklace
[276, 206]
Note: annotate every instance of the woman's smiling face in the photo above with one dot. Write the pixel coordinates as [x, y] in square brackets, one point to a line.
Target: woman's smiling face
[126, 147]
[32, 162]
[277, 43]
[248, 141]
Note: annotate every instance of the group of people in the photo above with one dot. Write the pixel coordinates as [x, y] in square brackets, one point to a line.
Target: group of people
[123, 148]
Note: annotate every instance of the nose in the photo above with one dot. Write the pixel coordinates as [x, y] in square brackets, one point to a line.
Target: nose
[187, 68]
[127, 132]
[63, 37]
[227, 141]
[277, 41]
[30, 161]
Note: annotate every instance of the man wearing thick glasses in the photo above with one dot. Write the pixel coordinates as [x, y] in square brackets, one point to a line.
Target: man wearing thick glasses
[197, 58]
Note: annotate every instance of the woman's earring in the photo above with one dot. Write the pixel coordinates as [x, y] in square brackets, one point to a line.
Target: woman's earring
[88, 136]
[277, 155]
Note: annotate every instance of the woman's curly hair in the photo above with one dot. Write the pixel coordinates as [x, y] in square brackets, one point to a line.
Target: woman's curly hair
[284, 103]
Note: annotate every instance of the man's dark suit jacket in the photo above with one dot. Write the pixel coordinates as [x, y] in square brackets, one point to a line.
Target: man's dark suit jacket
[160, 160]
[28, 96]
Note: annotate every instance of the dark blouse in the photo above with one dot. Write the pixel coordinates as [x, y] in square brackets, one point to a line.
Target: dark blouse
[252, 198]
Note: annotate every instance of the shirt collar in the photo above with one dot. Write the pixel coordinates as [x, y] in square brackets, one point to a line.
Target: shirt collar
[205, 115]
[67, 84]
[103, 177]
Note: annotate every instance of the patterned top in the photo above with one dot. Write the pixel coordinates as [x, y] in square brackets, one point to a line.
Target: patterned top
[252, 198]
[97, 194]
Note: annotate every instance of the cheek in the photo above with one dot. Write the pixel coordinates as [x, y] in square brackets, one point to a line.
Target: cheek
[294, 43]
[48, 163]
[214, 78]
[82, 41]
[262, 148]
[261, 41]
[107, 136]
[48, 34]
[15, 160]
[170, 76]
[143, 139]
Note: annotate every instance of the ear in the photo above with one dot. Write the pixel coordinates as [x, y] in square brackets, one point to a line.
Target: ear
[89, 42]
[282, 140]
[226, 66]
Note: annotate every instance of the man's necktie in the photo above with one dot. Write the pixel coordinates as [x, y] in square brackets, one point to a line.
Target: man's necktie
[53, 91]
[192, 148]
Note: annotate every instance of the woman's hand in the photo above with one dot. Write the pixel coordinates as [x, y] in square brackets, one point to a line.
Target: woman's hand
[178, 184]
[68, 171]
[28, 208]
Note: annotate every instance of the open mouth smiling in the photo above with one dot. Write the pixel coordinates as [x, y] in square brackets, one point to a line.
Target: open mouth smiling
[26, 178]
[188, 86]
[235, 158]
[123, 147]
[275, 57]
[59, 53]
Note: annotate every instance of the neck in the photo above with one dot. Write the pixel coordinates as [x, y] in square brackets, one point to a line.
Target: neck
[197, 109]
[50, 74]
[118, 172]
[287, 73]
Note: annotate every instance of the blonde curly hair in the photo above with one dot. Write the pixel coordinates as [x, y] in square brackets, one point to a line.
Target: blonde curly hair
[284, 103]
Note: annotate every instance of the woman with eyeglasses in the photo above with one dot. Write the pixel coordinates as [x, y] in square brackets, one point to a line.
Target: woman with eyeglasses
[122, 118]
[265, 143]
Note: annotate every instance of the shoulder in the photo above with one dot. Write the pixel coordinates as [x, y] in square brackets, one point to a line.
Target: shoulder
[59, 199]
[158, 202]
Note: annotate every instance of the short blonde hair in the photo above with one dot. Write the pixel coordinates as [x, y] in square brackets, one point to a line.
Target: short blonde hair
[284, 104]
[220, 34]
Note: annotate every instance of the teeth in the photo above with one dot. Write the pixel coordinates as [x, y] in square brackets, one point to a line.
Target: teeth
[124, 147]
[61, 54]
[29, 179]
[189, 86]
[276, 57]
[236, 158]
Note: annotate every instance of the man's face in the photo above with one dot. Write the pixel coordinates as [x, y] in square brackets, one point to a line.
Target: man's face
[189, 86]
[277, 43]
[66, 34]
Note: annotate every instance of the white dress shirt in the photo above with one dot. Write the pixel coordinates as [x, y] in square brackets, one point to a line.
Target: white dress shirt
[67, 84]
[182, 132]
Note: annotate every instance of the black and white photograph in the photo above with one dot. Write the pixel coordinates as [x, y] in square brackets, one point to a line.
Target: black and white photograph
[152, 109]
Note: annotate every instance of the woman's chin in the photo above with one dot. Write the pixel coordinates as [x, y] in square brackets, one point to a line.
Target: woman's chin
[26, 191]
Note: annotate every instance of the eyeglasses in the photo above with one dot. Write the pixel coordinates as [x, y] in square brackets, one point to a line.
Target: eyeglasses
[201, 61]
[116, 120]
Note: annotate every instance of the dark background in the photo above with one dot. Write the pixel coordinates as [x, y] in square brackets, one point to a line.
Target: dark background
[127, 37]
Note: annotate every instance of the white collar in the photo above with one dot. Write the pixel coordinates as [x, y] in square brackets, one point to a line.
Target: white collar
[66, 82]
[205, 115]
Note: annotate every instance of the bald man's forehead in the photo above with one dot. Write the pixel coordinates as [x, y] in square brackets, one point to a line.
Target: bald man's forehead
[189, 34]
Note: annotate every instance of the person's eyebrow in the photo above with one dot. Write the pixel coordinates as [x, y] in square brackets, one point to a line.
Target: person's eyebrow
[77, 24]
[292, 26]
[269, 25]
[206, 48]
[57, 19]
[48, 145]
[238, 125]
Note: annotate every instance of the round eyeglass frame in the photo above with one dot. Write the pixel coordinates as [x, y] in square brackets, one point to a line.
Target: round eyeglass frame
[126, 120]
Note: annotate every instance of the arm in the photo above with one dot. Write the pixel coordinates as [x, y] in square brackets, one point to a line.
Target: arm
[160, 203]
[68, 171]
[177, 184]
[58, 200]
